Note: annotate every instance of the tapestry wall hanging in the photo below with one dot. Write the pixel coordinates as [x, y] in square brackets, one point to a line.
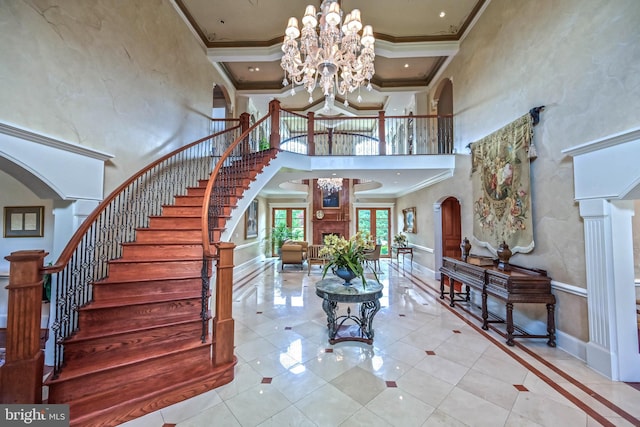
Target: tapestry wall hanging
[501, 181]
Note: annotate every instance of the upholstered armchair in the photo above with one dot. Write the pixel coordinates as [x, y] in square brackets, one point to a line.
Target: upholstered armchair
[293, 252]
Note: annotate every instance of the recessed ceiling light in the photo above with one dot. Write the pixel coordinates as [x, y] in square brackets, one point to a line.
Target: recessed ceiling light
[252, 69]
[406, 65]
[397, 173]
[443, 14]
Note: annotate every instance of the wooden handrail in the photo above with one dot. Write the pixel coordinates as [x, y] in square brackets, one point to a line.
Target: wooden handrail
[206, 241]
[68, 251]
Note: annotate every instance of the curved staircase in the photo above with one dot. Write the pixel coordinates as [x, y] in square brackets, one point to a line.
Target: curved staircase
[144, 342]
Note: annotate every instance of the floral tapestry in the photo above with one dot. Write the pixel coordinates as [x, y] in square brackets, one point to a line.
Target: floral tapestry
[500, 176]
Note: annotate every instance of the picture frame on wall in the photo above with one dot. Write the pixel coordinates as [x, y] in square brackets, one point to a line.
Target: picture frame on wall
[330, 200]
[251, 220]
[24, 221]
[409, 215]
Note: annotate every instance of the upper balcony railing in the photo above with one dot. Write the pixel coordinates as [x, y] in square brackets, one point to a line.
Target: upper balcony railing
[357, 136]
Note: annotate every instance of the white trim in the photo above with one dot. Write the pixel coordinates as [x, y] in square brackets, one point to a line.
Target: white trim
[247, 245]
[570, 289]
[606, 142]
[572, 345]
[421, 248]
[55, 143]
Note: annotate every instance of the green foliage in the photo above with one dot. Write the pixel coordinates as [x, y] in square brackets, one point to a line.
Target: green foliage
[347, 254]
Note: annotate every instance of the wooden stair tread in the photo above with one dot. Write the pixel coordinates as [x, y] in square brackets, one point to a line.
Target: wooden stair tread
[149, 398]
[78, 371]
[81, 336]
[108, 281]
[148, 260]
[141, 300]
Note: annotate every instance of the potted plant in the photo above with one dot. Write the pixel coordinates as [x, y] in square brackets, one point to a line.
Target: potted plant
[400, 239]
[346, 257]
[279, 234]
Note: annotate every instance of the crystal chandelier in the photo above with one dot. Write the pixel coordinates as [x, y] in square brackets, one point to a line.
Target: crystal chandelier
[330, 185]
[334, 56]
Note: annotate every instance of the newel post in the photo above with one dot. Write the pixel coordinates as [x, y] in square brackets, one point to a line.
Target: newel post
[245, 125]
[223, 324]
[274, 112]
[382, 143]
[21, 375]
[311, 126]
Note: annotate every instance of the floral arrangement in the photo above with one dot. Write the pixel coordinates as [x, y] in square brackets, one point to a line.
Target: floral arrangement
[400, 239]
[350, 254]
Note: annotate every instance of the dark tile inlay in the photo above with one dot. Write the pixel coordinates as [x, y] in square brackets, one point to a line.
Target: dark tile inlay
[328, 350]
[455, 331]
[430, 353]
[267, 380]
[402, 315]
[391, 384]
[258, 312]
[520, 387]
[287, 328]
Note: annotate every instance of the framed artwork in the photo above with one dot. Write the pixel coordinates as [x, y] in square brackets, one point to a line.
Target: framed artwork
[330, 199]
[251, 220]
[24, 221]
[409, 220]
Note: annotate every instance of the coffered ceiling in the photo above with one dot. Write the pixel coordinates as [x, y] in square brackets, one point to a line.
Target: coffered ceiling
[414, 40]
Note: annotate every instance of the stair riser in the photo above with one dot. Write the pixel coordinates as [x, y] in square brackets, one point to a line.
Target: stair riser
[150, 251]
[177, 223]
[157, 373]
[138, 316]
[171, 210]
[168, 236]
[196, 191]
[106, 291]
[187, 201]
[154, 270]
[140, 344]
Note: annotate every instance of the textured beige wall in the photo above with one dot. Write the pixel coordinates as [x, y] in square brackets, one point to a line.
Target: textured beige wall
[579, 58]
[125, 77]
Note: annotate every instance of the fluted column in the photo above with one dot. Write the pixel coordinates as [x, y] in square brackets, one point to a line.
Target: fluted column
[611, 294]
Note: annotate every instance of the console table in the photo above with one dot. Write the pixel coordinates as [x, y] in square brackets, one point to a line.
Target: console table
[512, 286]
[404, 250]
[332, 291]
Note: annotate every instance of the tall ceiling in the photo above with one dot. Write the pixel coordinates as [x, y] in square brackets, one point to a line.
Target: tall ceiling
[415, 40]
[413, 44]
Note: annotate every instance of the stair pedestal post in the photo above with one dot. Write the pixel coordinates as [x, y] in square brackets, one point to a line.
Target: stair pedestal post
[223, 323]
[21, 375]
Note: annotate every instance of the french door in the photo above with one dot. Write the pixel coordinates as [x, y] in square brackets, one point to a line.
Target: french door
[293, 219]
[376, 222]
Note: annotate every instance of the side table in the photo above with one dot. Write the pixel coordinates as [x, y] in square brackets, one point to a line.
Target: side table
[332, 291]
[404, 250]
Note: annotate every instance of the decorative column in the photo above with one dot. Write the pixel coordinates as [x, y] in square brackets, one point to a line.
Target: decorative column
[611, 295]
[21, 375]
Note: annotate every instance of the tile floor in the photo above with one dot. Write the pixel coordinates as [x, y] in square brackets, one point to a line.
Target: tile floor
[429, 365]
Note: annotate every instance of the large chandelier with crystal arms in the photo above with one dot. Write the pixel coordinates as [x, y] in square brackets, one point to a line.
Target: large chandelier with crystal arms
[329, 52]
[330, 185]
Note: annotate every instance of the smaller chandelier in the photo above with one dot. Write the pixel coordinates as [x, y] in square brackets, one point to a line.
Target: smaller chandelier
[334, 55]
[330, 185]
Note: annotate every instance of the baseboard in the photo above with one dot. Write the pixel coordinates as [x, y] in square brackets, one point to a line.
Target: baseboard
[572, 345]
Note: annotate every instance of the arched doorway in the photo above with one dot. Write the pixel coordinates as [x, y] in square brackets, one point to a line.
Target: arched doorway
[451, 228]
[447, 230]
[443, 100]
